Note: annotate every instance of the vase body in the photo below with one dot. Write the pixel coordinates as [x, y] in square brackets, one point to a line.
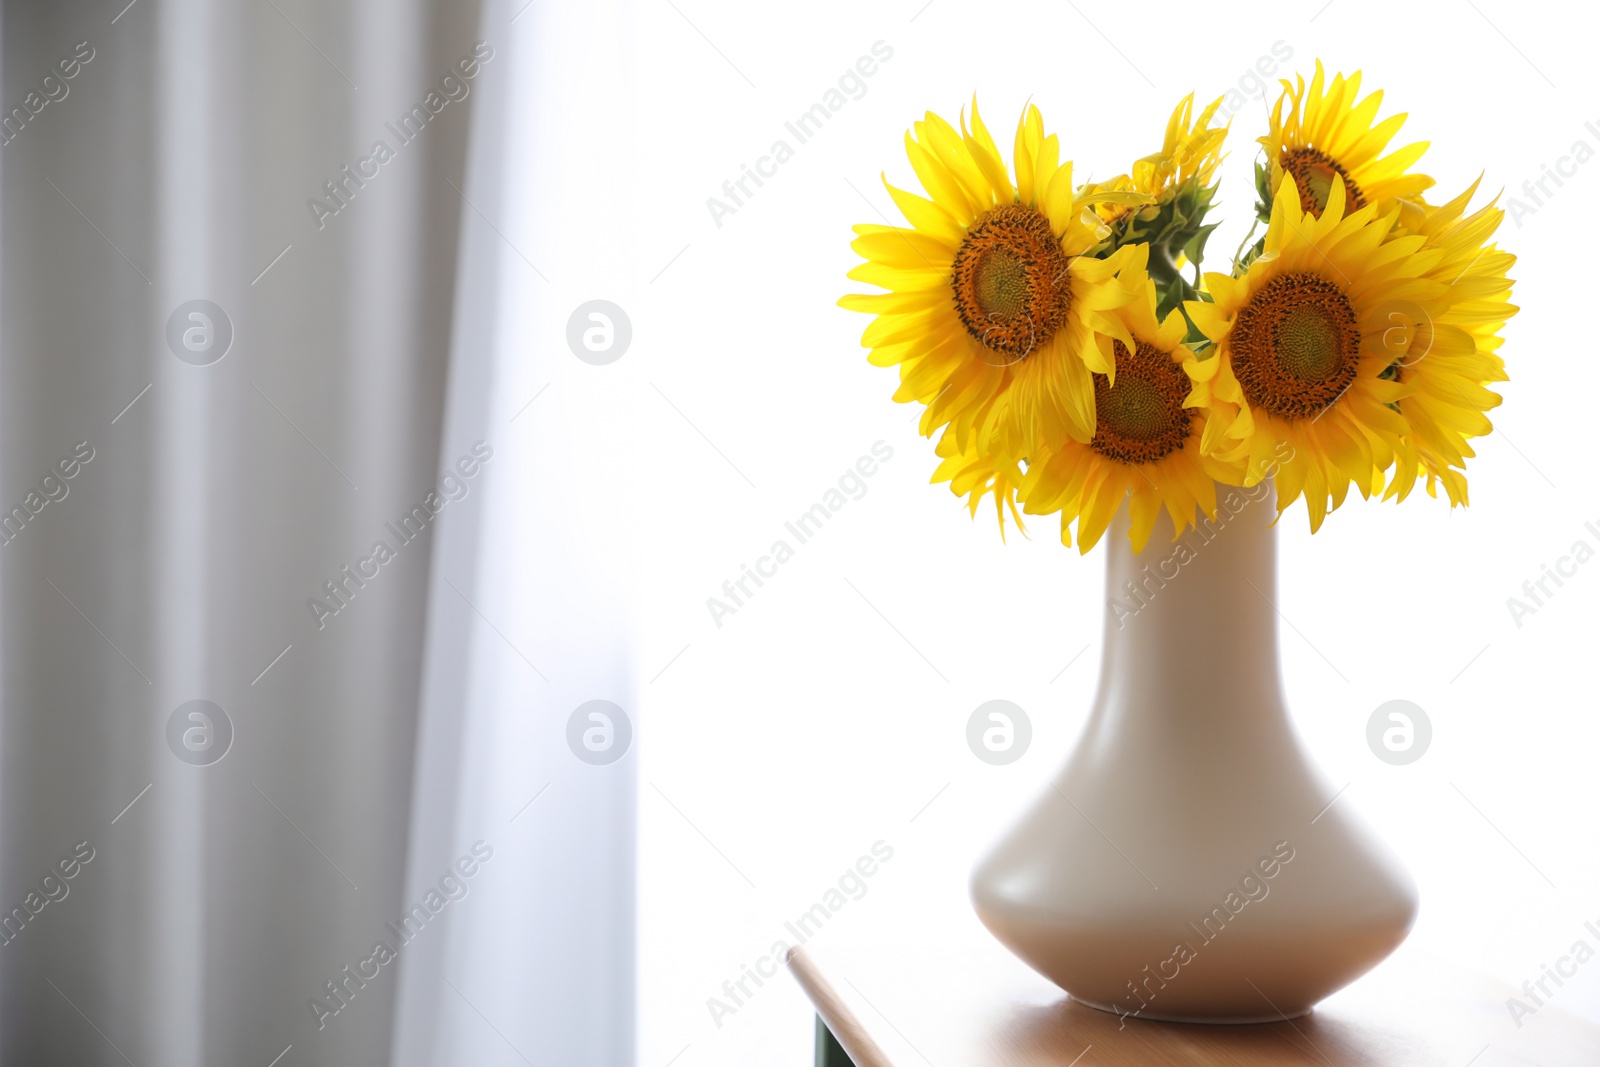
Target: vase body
[1185, 864]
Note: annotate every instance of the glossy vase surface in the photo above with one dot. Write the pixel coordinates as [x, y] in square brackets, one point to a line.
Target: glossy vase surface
[1188, 862]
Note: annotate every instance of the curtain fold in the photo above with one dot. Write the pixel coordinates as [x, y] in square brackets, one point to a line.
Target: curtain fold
[531, 596]
[267, 652]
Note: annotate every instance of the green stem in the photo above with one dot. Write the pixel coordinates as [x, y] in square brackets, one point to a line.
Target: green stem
[1237, 255]
[1162, 268]
[1172, 288]
[1165, 271]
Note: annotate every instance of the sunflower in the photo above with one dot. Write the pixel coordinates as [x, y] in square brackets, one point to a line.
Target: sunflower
[1453, 357]
[1305, 342]
[1317, 136]
[1164, 200]
[975, 475]
[1189, 157]
[994, 292]
[1146, 444]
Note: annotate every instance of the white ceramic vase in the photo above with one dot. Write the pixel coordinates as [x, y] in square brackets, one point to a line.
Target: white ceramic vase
[1185, 863]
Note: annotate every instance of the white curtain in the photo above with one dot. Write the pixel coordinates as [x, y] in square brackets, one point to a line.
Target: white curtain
[267, 306]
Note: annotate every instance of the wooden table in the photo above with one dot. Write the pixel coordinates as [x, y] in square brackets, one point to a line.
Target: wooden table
[970, 1003]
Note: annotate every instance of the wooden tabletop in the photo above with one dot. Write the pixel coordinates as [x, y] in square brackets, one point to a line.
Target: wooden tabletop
[972, 1004]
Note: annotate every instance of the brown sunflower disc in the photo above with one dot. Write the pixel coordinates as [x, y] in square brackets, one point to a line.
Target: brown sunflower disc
[1314, 173]
[1296, 346]
[1010, 280]
[1142, 418]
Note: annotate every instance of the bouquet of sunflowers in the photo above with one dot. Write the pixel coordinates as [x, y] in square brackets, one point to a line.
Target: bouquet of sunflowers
[1070, 354]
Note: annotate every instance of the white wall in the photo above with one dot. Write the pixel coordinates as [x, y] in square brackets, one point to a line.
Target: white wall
[779, 747]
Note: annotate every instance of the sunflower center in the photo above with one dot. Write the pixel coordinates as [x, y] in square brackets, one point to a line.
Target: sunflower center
[1000, 284]
[1308, 343]
[1142, 418]
[1314, 174]
[1010, 281]
[1296, 346]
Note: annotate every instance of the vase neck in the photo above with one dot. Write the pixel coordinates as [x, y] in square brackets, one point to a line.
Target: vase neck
[1196, 612]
